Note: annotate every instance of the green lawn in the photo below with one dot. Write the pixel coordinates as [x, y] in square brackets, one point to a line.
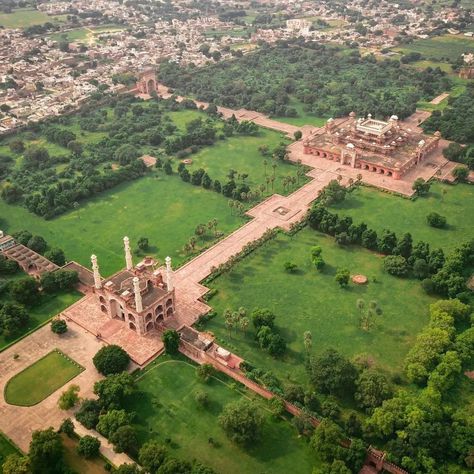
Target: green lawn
[6, 448]
[85, 35]
[241, 154]
[48, 307]
[166, 408]
[312, 300]
[440, 47]
[24, 17]
[160, 207]
[41, 379]
[385, 211]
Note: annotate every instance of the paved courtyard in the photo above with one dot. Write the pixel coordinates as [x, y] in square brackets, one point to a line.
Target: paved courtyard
[18, 423]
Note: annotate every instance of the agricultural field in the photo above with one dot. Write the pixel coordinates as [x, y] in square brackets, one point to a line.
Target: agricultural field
[440, 48]
[41, 379]
[385, 211]
[6, 448]
[308, 300]
[24, 17]
[167, 411]
[47, 307]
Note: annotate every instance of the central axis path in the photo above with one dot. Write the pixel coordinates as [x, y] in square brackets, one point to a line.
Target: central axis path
[275, 212]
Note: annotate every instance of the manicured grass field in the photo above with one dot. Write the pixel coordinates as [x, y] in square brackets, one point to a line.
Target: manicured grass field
[241, 154]
[24, 17]
[160, 207]
[309, 300]
[440, 47]
[166, 408]
[385, 211]
[41, 379]
[6, 448]
[48, 306]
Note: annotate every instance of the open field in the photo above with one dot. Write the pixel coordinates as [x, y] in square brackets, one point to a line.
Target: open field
[458, 88]
[41, 379]
[78, 463]
[309, 300]
[85, 35]
[303, 117]
[166, 408]
[6, 448]
[160, 207]
[24, 17]
[385, 211]
[241, 154]
[48, 307]
[440, 48]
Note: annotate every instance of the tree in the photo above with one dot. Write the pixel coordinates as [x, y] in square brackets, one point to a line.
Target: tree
[420, 269]
[25, 291]
[460, 173]
[342, 277]
[56, 255]
[262, 317]
[421, 187]
[75, 147]
[368, 313]
[126, 154]
[67, 427]
[88, 413]
[290, 267]
[332, 373]
[125, 440]
[404, 246]
[69, 398]
[46, 452]
[17, 146]
[88, 447]
[387, 242]
[308, 341]
[111, 360]
[37, 244]
[242, 422]
[326, 440]
[171, 340]
[436, 220]
[201, 397]
[143, 244]
[112, 420]
[113, 389]
[167, 168]
[35, 157]
[372, 389]
[298, 134]
[396, 265]
[13, 318]
[16, 464]
[333, 193]
[58, 326]
[152, 455]
[316, 257]
[205, 371]
[128, 469]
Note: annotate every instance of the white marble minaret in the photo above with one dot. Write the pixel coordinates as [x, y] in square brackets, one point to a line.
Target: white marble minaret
[95, 269]
[169, 274]
[128, 253]
[138, 296]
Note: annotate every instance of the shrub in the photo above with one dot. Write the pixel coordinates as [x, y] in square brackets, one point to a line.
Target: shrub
[436, 220]
[205, 371]
[58, 326]
[201, 397]
[170, 339]
[396, 265]
[69, 398]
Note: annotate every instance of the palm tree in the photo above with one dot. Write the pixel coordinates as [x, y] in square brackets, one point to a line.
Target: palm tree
[360, 304]
[192, 242]
[308, 341]
[267, 179]
[265, 163]
[339, 177]
[359, 178]
[214, 224]
[231, 205]
[262, 188]
[229, 321]
[272, 180]
[244, 324]
[274, 166]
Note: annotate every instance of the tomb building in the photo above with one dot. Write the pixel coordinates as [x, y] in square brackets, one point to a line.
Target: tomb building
[383, 147]
[142, 296]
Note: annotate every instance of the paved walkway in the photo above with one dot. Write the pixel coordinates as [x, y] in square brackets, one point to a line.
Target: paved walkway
[18, 423]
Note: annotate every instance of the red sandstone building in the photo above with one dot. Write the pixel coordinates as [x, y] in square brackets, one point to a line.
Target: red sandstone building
[142, 296]
[373, 145]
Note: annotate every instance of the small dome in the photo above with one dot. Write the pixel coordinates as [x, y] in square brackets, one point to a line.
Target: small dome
[330, 120]
[352, 114]
[437, 133]
[369, 116]
[394, 117]
[421, 143]
[350, 145]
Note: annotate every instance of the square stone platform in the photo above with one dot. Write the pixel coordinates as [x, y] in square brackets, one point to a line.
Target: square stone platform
[88, 315]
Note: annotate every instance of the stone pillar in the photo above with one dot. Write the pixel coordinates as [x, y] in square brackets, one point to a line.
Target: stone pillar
[95, 269]
[138, 296]
[128, 253]
[342, 157]
[169, 274]
[353, 162]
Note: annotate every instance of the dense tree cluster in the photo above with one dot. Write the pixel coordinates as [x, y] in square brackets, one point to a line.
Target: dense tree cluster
[267, 80]
[456, 121]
